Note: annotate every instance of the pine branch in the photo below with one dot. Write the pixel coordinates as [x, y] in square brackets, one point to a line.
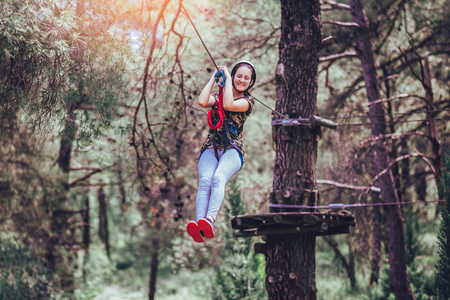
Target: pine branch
[81, 179]
[83, 168]
[392, 136]
[97, 184]
[334, 5]
[337, 56]
[400, 96]
[343, 24]
[349, 186]
[329, 40]
[423, 156]
[388, 19]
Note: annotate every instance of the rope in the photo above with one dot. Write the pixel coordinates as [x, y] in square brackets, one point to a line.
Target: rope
[198, 34]
[341, 205]
[220, 112]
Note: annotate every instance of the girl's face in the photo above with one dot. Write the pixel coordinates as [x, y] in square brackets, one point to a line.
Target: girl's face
[242, 78]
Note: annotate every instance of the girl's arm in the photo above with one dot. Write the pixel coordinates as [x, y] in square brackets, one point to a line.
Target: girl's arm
[205, 99]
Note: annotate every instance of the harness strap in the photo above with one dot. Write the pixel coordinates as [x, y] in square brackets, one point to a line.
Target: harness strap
[214, 141]
[230, 140]
[227, 139]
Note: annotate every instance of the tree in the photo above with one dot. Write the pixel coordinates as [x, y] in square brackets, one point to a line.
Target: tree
[54, 72]
[290, 259]
[400, 280]
[238, 275]
[401, 57]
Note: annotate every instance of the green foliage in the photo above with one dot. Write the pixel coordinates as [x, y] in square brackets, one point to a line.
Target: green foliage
[32, 59]
[48, 62]
[240, 273]
[442, 275]
[421, 279]
[22, 276]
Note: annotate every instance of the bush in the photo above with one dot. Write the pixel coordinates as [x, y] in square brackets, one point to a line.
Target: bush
[22, 276]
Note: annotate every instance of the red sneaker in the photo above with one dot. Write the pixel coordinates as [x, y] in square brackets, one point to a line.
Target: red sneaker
[207, 227]
[194, 231]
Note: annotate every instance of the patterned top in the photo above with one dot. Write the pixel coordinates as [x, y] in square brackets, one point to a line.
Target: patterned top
[238, 119]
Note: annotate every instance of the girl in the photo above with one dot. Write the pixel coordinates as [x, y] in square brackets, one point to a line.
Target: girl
[222, 155]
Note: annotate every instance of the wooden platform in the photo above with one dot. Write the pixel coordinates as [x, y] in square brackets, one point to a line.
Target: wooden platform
[322, 223]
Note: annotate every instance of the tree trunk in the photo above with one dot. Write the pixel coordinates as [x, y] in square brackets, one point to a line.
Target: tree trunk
[68, 136]
[60, 245]
[86, 233]
[103, 220]
[376, 246]
[60, 242]
[431, 114]
[122, 192]
[380, 160]
[155, 260]
[290, 259]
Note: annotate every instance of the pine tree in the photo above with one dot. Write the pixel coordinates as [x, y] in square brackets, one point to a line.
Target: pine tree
[240, 275]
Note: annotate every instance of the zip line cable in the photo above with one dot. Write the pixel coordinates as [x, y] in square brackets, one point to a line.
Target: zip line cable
[393, 114]
[273, 110]
[278, 113]
[198, 34]
[341, 205]
[392, 122]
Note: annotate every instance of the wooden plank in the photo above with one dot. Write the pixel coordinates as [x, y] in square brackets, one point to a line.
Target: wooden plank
[276, 230]
[292, 222]
[293, 230]
[287, 219]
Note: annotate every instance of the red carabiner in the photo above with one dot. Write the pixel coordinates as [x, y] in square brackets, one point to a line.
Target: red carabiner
[220, 112]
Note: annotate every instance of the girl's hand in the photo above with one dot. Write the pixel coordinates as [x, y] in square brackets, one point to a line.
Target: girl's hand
[225, 71]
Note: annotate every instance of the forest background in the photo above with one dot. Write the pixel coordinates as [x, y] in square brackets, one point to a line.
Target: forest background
[100, 134]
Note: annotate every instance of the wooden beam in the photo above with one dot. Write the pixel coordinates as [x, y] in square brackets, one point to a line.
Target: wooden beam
[240, 222]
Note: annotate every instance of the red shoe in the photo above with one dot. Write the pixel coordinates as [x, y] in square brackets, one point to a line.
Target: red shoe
[194, 231]
[207, 227]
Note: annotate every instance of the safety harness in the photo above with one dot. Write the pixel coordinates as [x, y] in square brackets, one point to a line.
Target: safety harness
[228, 123]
